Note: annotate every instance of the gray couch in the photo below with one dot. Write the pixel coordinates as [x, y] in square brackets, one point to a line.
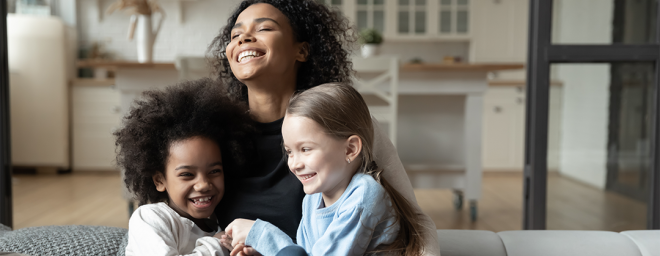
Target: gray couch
[98, 240]
[549, 243]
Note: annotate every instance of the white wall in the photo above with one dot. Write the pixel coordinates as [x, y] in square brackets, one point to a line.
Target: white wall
[583, 143]
[202, 22]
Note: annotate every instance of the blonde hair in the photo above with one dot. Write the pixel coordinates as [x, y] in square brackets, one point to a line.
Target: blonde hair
[342, 112]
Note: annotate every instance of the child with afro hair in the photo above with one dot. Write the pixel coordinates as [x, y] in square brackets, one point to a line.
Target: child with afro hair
[174, 148]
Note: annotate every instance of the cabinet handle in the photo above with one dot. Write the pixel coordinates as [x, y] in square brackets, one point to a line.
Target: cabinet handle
[497, 109]
[116, 109]
[521, 101]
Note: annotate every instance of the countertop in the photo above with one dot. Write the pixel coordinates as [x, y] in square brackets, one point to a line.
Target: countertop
[114, 64]
[406, 67]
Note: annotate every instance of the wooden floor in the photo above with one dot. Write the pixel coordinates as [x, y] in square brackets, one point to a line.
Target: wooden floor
[95, 199]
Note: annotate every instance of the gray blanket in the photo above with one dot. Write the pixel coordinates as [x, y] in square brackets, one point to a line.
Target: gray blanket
[64, 240]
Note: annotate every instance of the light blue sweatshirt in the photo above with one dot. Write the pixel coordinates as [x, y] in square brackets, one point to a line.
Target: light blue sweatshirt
[361, 220]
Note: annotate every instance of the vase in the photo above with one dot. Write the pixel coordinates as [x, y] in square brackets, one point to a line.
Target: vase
[370, 50]
[144, 38]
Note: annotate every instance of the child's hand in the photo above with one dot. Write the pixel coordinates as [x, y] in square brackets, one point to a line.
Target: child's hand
[220, 235]
[238, 230]
[225, 241]
[238, 250]
[242, 250]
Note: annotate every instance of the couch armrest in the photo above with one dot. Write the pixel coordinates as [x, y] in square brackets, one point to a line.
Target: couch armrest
[648, 241]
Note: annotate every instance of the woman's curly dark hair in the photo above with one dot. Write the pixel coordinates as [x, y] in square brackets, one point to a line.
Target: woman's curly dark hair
[327, 32]
[162, 117]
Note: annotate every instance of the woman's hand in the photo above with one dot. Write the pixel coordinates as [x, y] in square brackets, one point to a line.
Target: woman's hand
[238, 231]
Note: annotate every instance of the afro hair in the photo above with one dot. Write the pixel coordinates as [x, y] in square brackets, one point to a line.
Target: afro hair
[198, 108]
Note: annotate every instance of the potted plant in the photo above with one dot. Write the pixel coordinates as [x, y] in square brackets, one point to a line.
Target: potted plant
[370, 40]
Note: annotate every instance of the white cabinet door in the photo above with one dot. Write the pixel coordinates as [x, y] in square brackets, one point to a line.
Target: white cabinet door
[504, 128]
[500, 31]
[96, 115]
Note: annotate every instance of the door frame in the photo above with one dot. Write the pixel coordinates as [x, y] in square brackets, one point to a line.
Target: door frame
[5, 136]
[542, 53]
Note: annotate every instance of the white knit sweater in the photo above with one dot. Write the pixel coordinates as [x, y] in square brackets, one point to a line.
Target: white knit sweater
[156, 229]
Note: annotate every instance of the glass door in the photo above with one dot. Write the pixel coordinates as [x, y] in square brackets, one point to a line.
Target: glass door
[599, 169]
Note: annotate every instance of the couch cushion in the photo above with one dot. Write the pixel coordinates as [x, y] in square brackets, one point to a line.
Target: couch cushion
[4, 229]
[567, 243]
[121, 251]
[64, 240]
[648, 241]
[469, 242]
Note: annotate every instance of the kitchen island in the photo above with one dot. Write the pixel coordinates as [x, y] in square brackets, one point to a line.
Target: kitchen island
[439, 120]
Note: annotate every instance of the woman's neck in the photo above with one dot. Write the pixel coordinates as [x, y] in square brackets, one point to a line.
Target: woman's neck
[268, 105]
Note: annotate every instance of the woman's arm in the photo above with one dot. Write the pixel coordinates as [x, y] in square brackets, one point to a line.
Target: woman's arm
[387, 157]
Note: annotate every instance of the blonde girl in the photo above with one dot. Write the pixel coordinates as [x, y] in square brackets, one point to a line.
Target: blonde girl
[349, 209]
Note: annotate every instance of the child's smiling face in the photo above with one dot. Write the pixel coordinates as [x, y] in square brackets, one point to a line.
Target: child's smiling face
[194, 177]
[317, 159]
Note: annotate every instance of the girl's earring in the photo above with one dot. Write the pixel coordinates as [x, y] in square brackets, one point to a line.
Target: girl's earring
[348, 160]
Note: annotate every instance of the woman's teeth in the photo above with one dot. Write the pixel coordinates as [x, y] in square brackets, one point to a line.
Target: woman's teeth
[247, 55]
[306, 177]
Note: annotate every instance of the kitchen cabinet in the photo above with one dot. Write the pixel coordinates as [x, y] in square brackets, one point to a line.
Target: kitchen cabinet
[96, 114]
[499, 31]
[504, 126]
[495, 29]
[409, 20]
[99, 106]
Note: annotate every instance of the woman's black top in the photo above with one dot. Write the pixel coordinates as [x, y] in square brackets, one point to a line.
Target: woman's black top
[265, 188]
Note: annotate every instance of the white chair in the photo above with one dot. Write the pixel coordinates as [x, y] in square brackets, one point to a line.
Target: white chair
[373, 75]
[192, 67]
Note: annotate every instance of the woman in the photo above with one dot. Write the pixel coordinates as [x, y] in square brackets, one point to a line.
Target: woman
[269, 50]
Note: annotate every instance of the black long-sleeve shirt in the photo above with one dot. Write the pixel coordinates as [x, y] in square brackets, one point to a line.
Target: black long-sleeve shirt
[265, 189]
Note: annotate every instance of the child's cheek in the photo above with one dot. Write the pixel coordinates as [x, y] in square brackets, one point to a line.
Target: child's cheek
[289, 162]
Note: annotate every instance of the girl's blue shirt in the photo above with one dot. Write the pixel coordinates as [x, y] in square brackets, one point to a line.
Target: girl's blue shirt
[362, 219]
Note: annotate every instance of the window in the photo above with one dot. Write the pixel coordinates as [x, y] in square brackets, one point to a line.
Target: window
[371, 14]
[412, 17]
[336, 4]
[454, 16]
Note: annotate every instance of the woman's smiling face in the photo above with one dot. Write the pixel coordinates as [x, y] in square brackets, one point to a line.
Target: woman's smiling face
[263, 43]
